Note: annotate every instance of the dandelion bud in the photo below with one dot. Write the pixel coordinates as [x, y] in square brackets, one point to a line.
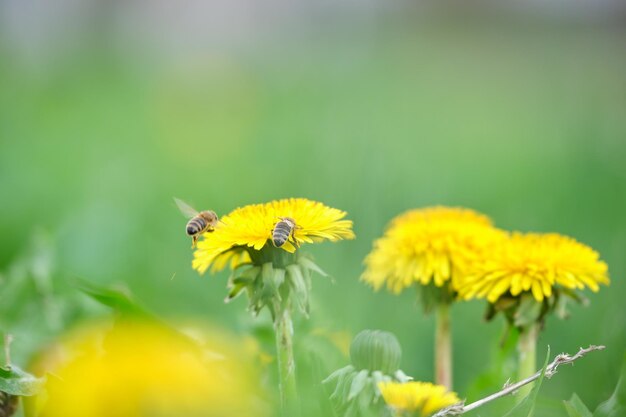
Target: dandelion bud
[376, 350]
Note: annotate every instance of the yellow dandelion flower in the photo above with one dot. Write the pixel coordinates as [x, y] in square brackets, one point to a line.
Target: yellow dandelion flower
[250, 227]
[536, 263]
[139, 369]
[421, 398]
[428, 245]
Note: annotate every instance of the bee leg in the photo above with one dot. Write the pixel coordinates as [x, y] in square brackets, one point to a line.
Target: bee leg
[194, 239]
[295, 242]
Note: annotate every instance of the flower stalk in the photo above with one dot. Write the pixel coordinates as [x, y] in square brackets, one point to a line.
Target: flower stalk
[527, 350]
[283, 330]
[443, 346]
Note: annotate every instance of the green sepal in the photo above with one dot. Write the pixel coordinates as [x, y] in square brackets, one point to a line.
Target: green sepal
[270, 290]
[401, 376]
[358, 384]
[560, 306]
[279, 277]
[431, 296]
[379, 377]
[307, 263]
[576, 408]
[526, 408]
[234, 292]
[343, 387]
[15, 381]
[339, 373]
[299, 288]
[237, 283]
[528, 312]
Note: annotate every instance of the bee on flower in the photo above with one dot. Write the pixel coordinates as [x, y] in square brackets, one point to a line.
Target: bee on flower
[261, 244]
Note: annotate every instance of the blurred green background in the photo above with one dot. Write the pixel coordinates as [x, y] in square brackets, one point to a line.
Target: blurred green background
[109, 109]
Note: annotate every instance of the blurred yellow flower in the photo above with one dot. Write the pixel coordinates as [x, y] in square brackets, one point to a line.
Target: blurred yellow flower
[536, 263]
[143, 370]
[417, 398]
[427, 245]
[250, 227]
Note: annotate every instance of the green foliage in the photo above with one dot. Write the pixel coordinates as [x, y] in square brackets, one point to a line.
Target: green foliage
[526, 407]
[93, 153]
[502, 364]
[615, 406]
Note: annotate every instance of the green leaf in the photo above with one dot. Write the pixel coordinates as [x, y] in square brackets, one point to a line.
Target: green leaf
[117, 299]
[615, 406]
[526, 408]
[576, 408]
[15, 381]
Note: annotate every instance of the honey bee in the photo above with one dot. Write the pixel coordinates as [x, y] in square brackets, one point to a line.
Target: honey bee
[283, 230]
[200, 222]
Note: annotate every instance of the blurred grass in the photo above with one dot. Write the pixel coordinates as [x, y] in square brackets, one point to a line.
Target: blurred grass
[528, 128]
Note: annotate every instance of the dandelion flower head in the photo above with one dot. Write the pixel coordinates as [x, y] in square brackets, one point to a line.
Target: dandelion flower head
[434, 244]
[140, 369]
[250, 228]
[535, 263]
[417, 398]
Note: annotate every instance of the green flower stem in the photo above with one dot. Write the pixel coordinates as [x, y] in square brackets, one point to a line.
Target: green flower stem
[283, 329]
[527, 349]
[443, 346]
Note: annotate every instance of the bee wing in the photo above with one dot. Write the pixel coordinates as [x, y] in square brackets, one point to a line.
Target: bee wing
[185, 208]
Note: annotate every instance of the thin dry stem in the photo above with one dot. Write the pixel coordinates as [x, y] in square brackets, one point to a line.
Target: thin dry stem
[551, 370]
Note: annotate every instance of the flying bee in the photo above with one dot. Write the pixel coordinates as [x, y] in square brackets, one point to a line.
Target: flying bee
[283, 230]
[200, 222]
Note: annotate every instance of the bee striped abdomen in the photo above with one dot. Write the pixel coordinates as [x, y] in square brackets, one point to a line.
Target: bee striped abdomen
[281, 232]
[196, 225]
